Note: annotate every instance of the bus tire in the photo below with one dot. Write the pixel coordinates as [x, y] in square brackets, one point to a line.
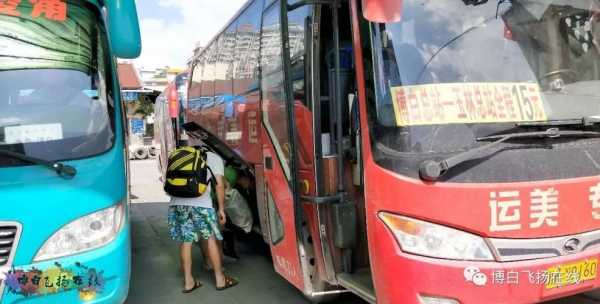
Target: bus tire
[140, 153]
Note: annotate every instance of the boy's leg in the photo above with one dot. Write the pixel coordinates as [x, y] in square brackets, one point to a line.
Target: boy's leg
[214, 255]
[178, 221]
[207, 263]
[186, 265]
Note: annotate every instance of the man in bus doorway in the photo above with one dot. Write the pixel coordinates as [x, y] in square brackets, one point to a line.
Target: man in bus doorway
[195, 219]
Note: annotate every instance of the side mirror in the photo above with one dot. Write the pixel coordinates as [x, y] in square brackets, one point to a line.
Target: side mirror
[382, 11]
[124, 28]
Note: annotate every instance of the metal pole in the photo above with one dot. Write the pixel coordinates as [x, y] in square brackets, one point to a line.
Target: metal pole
[338, 98]
[330, 292]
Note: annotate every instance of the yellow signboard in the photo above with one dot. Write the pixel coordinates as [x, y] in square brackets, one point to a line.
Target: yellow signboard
[453, 103]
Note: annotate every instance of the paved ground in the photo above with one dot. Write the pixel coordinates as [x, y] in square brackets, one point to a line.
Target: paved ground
[156, 277]
[144, 182]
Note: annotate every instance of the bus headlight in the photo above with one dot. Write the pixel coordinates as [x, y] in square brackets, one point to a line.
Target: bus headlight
[427, 239]
[86, 233]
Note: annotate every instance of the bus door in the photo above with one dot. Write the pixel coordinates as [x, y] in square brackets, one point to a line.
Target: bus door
[279, 154]
[289, 149]
[325, 144]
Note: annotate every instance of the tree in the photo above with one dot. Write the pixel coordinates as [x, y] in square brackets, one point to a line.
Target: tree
[144, 106]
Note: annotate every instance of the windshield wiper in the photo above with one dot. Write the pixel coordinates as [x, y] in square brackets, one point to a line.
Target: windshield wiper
[587, 121]
[61, 169]
[431, 170]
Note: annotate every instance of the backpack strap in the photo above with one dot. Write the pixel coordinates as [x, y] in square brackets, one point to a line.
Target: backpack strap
[213, 179]
[203, 150]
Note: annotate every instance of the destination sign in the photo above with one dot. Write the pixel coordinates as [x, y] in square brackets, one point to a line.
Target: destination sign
[453, 103]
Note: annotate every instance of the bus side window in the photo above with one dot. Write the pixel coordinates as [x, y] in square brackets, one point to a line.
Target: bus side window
[297, 23]
[273, 102]
[247, 46]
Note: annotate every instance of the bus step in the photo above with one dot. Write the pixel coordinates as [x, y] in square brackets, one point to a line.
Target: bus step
[360, 283]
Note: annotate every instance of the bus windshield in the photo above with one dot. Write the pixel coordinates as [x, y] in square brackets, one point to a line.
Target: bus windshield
[54, 103]
[451, 71]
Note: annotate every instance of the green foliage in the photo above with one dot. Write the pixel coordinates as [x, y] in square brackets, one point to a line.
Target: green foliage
[144, 107]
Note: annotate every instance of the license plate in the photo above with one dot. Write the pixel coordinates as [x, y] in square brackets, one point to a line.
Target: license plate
[572, 273]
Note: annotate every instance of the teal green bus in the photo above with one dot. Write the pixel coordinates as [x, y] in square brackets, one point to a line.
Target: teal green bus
[64, 209]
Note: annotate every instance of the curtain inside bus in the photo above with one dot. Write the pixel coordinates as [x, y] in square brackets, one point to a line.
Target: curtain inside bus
[54, 93]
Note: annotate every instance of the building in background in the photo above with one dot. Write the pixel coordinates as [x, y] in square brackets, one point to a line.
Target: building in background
[139, 106]
[158, 79]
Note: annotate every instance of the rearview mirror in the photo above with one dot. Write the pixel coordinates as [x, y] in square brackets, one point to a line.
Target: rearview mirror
[124, 28]
[382, 11]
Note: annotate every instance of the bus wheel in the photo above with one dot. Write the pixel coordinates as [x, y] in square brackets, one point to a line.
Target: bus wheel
[140, 153]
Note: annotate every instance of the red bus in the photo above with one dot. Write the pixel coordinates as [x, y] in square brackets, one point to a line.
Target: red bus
[414, 151]
[169, 109]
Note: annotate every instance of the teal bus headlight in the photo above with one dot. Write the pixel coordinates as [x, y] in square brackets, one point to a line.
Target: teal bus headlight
[83, 234]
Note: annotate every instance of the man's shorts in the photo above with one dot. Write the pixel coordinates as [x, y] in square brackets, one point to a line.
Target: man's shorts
[189, 224]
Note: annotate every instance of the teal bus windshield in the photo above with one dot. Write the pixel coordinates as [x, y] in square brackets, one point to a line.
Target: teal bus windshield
[54, 97]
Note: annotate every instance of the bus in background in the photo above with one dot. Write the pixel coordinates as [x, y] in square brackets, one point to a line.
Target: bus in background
[414, 151]
[64, 213]
[166, 112]
[178, 102]
[169, 109]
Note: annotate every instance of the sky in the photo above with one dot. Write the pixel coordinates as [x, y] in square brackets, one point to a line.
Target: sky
[171, 28]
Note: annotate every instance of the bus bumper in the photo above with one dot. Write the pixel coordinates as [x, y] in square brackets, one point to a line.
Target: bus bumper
[111, 262]
[405, 278]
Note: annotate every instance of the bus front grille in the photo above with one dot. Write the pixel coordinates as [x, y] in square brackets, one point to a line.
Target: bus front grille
[8, 238]
[512, 250]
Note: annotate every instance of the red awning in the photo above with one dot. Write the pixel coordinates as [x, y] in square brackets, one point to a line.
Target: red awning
[128, 77]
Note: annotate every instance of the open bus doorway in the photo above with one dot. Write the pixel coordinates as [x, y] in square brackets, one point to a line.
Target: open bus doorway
[337, 135]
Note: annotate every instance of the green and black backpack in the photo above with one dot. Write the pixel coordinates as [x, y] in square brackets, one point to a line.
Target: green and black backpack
[187, 172]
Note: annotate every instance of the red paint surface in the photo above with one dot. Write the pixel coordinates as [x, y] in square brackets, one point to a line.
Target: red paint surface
[286, 258]
[400, 277]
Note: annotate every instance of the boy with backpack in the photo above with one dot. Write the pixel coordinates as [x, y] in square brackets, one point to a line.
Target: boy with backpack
[191, 173]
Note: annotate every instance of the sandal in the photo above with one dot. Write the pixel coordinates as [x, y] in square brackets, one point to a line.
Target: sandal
[229, 282]
[196, 286]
